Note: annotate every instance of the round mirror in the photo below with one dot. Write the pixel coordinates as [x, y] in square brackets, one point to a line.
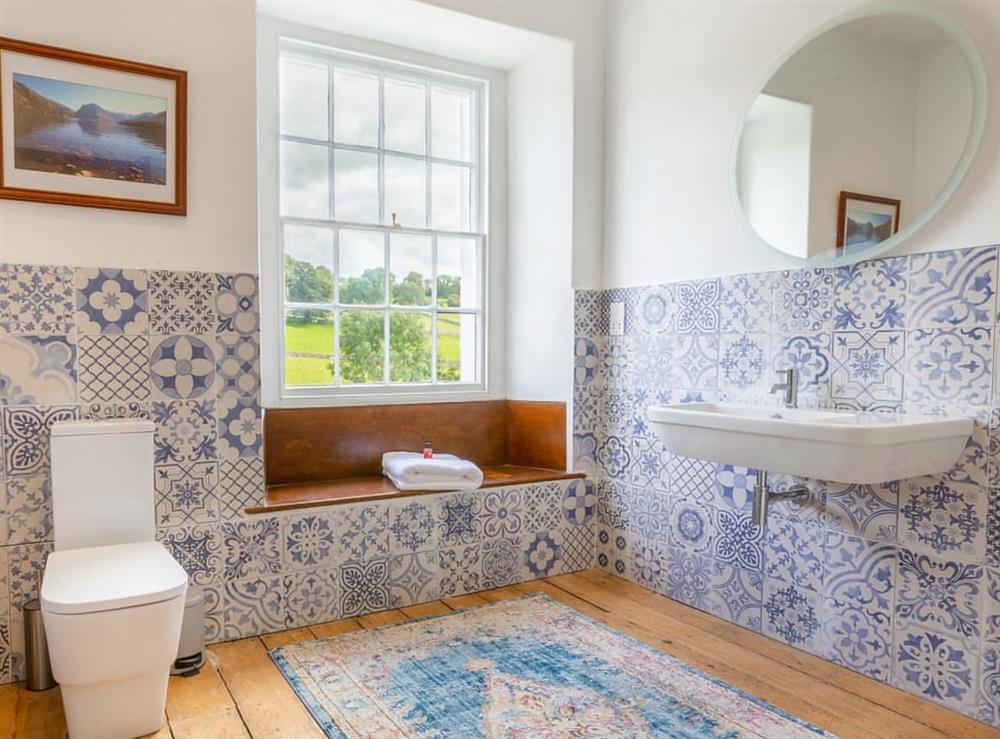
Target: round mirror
[860, 134]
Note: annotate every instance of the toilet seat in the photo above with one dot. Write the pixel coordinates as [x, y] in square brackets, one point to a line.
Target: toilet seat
[94, 579]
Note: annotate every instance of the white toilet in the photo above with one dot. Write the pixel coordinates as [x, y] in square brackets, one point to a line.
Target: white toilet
[112, 596]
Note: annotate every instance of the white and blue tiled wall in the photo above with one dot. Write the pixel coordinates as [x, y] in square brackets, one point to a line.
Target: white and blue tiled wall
[182, 348]
[899, 581]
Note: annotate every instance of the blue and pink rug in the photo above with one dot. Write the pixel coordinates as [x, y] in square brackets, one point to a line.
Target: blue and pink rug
[528, 667]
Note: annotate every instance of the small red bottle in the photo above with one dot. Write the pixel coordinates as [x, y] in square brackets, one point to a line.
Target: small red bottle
[428, 450]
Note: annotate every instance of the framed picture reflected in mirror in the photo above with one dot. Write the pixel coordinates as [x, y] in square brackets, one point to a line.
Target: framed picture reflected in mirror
[865, 220]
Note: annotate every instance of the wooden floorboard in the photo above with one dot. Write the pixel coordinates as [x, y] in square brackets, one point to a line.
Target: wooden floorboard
[240, 694]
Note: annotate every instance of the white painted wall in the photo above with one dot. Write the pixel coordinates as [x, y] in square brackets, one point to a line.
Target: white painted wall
[679, 76]
[773, 171]
[539, 233]
[214, 42]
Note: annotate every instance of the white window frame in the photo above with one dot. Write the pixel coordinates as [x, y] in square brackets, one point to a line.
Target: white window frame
[490, 190]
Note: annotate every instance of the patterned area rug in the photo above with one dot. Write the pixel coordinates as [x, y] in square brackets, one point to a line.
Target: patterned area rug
[527, 667]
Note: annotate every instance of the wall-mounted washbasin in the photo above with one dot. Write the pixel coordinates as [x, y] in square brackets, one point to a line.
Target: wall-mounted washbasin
[842, 446]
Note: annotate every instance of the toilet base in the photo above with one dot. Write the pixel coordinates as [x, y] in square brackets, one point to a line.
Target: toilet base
[117, 710]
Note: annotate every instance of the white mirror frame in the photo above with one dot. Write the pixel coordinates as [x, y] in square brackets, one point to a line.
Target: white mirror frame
[977, 73]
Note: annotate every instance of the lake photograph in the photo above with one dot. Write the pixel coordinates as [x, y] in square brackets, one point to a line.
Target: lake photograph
[87, 131]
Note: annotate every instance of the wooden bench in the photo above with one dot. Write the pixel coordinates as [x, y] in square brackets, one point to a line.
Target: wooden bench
[329, 456]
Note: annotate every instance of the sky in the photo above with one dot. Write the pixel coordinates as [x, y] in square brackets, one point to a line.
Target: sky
[73, 96]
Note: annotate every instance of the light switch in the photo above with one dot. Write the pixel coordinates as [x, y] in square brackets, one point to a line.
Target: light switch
[616, 319]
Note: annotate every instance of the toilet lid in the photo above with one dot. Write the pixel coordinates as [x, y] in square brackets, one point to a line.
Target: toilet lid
[104, 578]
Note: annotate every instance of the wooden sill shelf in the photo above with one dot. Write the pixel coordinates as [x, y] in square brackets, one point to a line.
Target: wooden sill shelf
[352, 490]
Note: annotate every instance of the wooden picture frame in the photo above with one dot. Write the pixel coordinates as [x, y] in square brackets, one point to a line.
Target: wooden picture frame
[852, 232]
[131, 156]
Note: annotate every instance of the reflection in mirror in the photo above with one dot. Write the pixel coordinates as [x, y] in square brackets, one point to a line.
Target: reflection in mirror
[857, 134]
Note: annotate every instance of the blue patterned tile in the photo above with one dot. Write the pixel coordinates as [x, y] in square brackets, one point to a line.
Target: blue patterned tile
[613, 504]
[807, 510]
[628, 296]
[695, 362]
[941, 668]
[198, 549]
[37, 370]
[866, 510]
[502, 512]
[413, 525]
[111, 301]
[579, 499]
[868, 368]
[651, 361]
[27, 505]
[803, 301]
[461, 569]
[656, 310]
[993, 528]
[793, 553]
[858, 638]
[950, 366]
[689, 578]
[991, 606]
[745, 303]
[738, 541]
[311, 597]
[792, 614]
[859, 573]
[236, 309]
[240, 427]
[586, 312]
[504, 561]
[737, 594]
[647, 513]
[691, 478]
[734, 486]
[36, 299]
[182, 367]
[181, 302]
[743, 365]
[114, 368]
[542, 553]
[185, 431]
[459, 519]
[309, 540]
[614, 551]
[363, 531]
[578, 548]
[953, 288]
[871, 295]
[943, 516]
[542, 506]
[585, 360]
[989, 687]
[649, 463]
[585, 454]
[414, 578]
[615, 363]
[993, 443]
[238, 364]
[252, 547]
[938, 594]
[614, 456]
[691, 526]
[26, 435]
[649, 564]
[811, 356]
[241, 485]
[586, 409]
[186, 493]
[364, 587]
[255, 605]
[697, 304]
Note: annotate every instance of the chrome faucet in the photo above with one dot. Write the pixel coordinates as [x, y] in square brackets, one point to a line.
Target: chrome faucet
[790, 387]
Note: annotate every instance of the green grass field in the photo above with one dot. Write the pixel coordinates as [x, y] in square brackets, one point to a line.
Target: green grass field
[317, 338]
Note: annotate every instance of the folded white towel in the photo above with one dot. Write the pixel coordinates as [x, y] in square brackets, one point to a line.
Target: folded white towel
[410, 471]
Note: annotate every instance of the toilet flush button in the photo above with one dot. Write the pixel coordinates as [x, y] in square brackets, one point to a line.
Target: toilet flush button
[616, 319]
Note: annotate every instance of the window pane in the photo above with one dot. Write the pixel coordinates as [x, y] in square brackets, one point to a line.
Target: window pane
[451, 124]
[362, 267]
[308, 264]
[406, 191]
[410, 269]
[457, 284]
[456, 347]
[305, 180]
[355, 107]
[304, 90]
[405, 116]
[452, 197]
[362, 347]
[308, 347]
[410, 347]
[355, 183]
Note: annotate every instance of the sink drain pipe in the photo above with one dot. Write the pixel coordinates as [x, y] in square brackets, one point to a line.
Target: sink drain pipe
[763, 495]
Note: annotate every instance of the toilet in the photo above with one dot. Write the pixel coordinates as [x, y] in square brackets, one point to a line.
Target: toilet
[112, 597]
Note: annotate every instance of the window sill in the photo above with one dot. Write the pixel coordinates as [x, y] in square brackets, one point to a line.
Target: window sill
[353, 490]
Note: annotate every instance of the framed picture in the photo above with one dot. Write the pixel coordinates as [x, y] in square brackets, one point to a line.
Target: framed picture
[865, 220]
[82, 129]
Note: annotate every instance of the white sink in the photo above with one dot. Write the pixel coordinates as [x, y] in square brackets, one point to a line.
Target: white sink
[828, 445]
